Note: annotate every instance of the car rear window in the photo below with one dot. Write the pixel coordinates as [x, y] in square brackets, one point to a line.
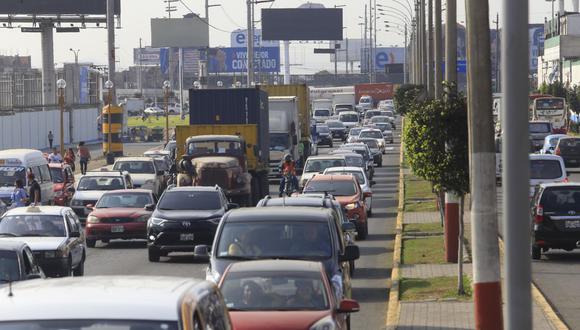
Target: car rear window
[545, 169]
[540, 128]
[371, 114]
[354, 161]
[322, 129]
[334, 187]
[348, 117]
[322, 113]
[336, 124]
[319, 165]
[135, 167]
[190, 200]
[371, 134]
[572, 145]
[556, 199]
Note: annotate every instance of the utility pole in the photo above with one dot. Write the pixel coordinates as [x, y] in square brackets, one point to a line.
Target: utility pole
[430, 72]
[371, 55]
[111, 48]
[451, 41]
[438, 50]
[375, 44]
[516, 177]
[423, 45]
[346, 56]
[366, 49]
[141, 67]
[405, 59]
[250, 40]
[486, 270]
[497, 55]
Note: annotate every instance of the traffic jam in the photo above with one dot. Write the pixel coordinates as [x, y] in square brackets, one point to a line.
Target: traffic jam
[270, 189]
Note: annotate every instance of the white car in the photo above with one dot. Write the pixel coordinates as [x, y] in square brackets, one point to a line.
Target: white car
[376, 134]
[350, 119]
[317, 164]
[144, 173]
[321, 115]
[546, 169]
[154, 111]
[366, 102]
[113, 302]
[361, 178]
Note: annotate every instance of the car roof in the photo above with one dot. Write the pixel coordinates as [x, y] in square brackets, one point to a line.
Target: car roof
[370, 129]
[560, 184]
[332, 177]
[349, 113]
[110, 298]
[105, 173]
[9, 245]
[229, 138]
[333, 156]
[546, 157]
[194, 188]
[345, 152]
[569, 137]
[133, 159]
[128, 191]
[296, 201]
[551, 136]
[345, 169]
[20, 154]
[270, 265]
[43, 210]
[278, 214]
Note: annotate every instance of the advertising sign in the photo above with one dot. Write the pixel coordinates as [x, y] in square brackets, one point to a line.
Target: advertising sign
[54, 7]
[146, 56]
[84, 83]
[179, 32]
[302, 24]
[536, 44]
[235, 59]
[384, 56]
[239, 39]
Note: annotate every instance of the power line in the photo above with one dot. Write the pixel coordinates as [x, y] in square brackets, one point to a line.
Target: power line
[229, 18]
[205, 21]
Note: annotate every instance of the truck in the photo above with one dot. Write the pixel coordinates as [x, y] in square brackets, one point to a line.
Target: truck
[327, 92]
[378, 91]
[284, 132]
[343, 102]
[228, 141]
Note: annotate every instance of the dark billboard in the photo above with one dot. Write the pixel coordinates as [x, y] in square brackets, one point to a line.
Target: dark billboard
[56, 7]
[302, 24]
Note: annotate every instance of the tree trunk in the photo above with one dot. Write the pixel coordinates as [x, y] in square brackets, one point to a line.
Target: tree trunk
[460, 288]
[441, 201]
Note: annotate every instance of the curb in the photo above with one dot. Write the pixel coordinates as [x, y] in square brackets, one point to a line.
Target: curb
[553, 318]
[394, 308]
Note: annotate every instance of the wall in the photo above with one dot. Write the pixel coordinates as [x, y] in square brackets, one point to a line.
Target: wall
[30, 129]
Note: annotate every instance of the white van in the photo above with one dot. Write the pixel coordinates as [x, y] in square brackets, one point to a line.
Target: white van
[546, 169]
[15, 163]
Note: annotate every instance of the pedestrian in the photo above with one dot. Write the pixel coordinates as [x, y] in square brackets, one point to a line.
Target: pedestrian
[84, 157]
[34, 192]
[70, 158]
[19, 197]
[50, 139]
[55, 156]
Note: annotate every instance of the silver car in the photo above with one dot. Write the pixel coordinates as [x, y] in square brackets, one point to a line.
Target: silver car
[363, 181]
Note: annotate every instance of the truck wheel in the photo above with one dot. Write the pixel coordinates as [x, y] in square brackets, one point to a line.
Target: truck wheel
[154, 254]
[255, 194]
[91, 243]
[536, 252]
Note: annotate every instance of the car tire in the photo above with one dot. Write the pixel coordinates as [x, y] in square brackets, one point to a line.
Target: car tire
[364, 232]
[348, 322]
[80, 270]
[91, 243]
[536, 252]
[351, 267]
[154, 254]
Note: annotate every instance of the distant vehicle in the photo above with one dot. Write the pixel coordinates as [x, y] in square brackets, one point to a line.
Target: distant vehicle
[550, 143]
[154, 111]
[350, 119]
[17, 263]
[63, 180]
[355, 159]
[366, 102]
[321, 115]
[553, 110]
[119, 214]
[370, 114]
[569, 149]
[324, 135]
[143, 171]
[374, 148]
[284, 294]
[53, 233]
[133, 106]
[353, 134]
[337, 129]
[386, 104]
[185, 216]
[546, 169]
[538, 132]
[363, 150]
[362, 179]
[556, 218]
[387, 130]
[345, 101]
[114, 302]
[376, 134]
[317, 164]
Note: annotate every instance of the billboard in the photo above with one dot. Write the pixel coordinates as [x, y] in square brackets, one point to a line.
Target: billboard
[179, 32]
[84, 92]
[536, 44]
[56, 7]
[351, 47]
[146, 56]
[235, 59]
[239, 39]
[384, 56]
[302, 24]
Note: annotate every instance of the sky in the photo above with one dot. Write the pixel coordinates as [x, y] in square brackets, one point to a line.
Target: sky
[231, 15]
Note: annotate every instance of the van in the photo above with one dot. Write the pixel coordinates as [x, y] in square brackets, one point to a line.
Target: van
[546, 169]
[15, 163]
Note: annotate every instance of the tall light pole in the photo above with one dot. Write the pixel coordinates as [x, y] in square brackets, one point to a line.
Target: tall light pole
[61, 85]
[76, 53]
[166, 90]
[109, 85]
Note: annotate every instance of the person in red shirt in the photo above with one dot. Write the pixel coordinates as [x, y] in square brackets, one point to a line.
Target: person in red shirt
[288, 167]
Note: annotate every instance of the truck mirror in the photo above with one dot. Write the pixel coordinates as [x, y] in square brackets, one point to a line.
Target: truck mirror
[294, 140]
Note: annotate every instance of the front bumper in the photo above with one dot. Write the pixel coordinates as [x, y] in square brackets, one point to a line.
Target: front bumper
[101, 231]
[54, 267]
[325, 140]
[170, 239]
[339, 134]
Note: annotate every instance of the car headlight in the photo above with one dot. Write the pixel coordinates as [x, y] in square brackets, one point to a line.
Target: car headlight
[143, 218]
[50, 254]
[93, 219]
[157, 221]
[326, 323]
[351, 206]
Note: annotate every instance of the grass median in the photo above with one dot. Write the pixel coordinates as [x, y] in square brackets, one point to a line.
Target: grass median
[419, 196]
[427, 250]
[434, 288]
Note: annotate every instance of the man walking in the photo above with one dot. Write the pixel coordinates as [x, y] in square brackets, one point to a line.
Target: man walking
[34, 192]
[84, 157]
[50, 139]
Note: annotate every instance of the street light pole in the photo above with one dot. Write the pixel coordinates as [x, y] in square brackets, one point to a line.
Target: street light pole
[166, 89]
[61, 85]
[109, 85]
[438, 50]
[76, 72]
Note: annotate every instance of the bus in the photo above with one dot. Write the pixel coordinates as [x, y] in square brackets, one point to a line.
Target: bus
[552, 109]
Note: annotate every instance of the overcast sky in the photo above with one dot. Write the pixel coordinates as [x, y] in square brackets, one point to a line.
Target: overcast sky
[228, 17]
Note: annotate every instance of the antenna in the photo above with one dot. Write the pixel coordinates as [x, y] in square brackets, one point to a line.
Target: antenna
[170, 8]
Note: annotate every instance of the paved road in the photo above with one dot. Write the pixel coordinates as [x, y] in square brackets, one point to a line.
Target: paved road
[371, 279]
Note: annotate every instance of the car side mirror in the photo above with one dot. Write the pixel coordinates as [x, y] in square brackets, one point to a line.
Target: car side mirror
[70, 190]
[90, 206]
[348, 227]
[232, 206]
[351, 252]
[150, 207]
[201, 251]
[348, 306]
[367, 194]
[33, 277]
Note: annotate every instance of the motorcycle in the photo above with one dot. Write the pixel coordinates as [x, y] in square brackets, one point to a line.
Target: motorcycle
[289, 188]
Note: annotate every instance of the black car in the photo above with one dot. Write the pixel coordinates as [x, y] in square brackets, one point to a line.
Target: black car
[337, 129]
[569, 149]
[556, 218]
[303, 233]
[183, 218]
[324, 135]
[17, 263]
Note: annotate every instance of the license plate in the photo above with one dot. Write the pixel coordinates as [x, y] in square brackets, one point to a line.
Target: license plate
[186, 237]
[573, 224]
[117, 229]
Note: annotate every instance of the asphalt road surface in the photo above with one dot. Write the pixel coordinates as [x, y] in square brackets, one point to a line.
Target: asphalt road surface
[373, 269]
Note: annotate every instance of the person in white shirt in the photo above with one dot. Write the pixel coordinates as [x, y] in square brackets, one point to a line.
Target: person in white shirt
[54, 157]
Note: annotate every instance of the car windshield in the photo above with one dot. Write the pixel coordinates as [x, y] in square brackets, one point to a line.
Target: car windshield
[103, 183]
[379, 119]
[354, 131]
[9, 174]
[371, 143]
[570, 145]
[387, 113]
[274, 291]
[545, 169]
[135, 167]
[215, 147]
[349, 117]
[319, 165]
[343, 107]
[279, 142]
[371, 134]
[57, 175]
[335, 187]
[190, 200]
[124, 200]
[361, 152]
[262, 240]
[360, 178]
[89, 325]
[322, 113]
[383, 126]
[322, 129]
[371, 114]
[9, 266]
[335, 124]
[32, 225]
[540, 128]
[553, 141]
[354, 161]
[561, 199]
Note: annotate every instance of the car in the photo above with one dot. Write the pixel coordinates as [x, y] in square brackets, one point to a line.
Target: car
[317, 164]
[185, 216]
[321, 115]
[119, 214]
[373, 133]
[353, 134]
[374, 148]
[387, 130]
[154, 111]
[354, 159]
[391, 115]
[546, 169]
[144, 173]
[63, 180]
[348, 193]
[366, 102]
[350, 119]
[556, 218]
[337, 129]
[114, 302]
[296, 233]
[53, 233]
[283, 294]
[93, 185]
[550, 142]
[362, 179]
[386, 104]
[538, 132]
[369, 115]
[363, 150]
[324, 135]
[569, 149]
[17, 263]
[163, 163]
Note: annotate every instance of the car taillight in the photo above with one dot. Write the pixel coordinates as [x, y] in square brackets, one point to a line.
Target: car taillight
[566, 180]
[557, 151]
[539, 218]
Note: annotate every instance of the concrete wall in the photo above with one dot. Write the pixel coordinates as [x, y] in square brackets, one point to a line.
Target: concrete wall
[30, 129]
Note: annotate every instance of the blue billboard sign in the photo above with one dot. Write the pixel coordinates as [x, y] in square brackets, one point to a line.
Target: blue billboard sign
[384, 56]
[84, 85]
[235, 59]
[536, 44]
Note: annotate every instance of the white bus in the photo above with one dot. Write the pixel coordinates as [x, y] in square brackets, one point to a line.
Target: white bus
[552, 109]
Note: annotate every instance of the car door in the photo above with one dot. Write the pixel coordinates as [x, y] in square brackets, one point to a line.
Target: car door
[74, 242]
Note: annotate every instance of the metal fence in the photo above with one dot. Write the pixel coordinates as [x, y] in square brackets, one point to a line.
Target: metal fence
[20, 90]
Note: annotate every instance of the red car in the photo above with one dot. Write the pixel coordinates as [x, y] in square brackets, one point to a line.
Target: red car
[283, 294]
[63, 180]
[346, 190]
[120, 214]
